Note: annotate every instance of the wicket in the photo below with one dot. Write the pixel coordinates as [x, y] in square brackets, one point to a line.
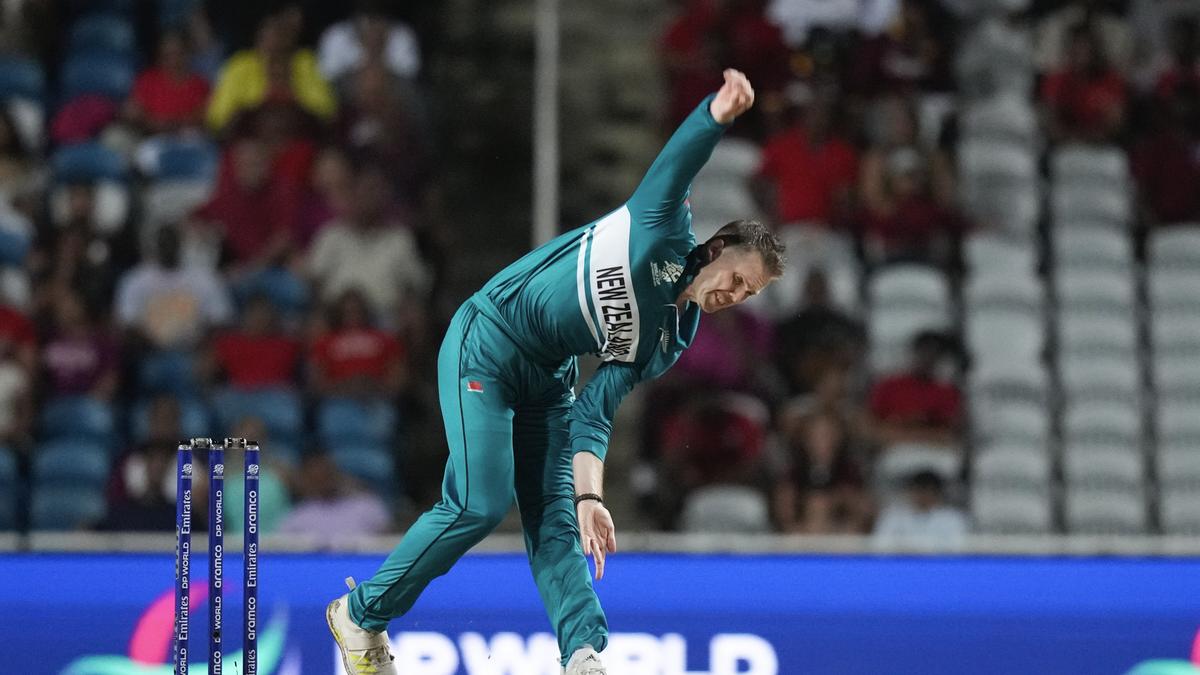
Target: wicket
[216, 551]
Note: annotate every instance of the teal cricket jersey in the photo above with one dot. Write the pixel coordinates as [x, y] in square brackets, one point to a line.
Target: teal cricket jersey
[609, 288]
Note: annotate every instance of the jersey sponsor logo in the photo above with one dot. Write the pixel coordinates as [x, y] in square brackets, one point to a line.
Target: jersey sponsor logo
[610, 285]
[475, 386]
[666, 273]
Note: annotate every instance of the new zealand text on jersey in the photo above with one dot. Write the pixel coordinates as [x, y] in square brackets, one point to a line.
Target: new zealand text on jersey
[616, 309]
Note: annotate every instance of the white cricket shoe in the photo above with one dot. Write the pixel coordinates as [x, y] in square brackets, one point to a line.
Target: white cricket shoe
[363, 652]
[585, 661]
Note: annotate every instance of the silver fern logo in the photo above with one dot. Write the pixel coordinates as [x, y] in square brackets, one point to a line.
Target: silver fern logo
[668, 272]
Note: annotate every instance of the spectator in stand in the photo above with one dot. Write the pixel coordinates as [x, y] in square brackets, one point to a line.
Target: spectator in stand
[168, 306]
[331, 506]
[353, 357]
[141, 489]
[1053, 41]
[799, 19]
[726, 355]
[78, 359]
[18, 337]
[1166, 161]
[1086, 99]
[809, 170]
[254, 210]
[381, 120]
[711, 440]
[276, 69]
[923, 520]
[17, 162]
[820, 336]
[274, 499]
[918, 406]
[168, 96]
[822, 489]
[370, 250]
[75, 261]
[754, 44]
[911, 56]
[691, 52]
[904, 220]
[1183, 68]
[258, 355]
[330, 195]
[369, 37]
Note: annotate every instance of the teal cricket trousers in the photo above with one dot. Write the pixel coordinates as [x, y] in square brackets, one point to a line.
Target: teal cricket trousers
[506, 424]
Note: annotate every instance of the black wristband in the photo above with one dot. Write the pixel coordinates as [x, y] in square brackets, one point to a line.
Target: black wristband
[588, 496]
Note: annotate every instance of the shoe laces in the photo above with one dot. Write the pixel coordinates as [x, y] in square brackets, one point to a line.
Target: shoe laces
[591, 666]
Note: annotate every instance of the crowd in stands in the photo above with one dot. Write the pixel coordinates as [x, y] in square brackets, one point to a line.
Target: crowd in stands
[203, 238]
[852, 153]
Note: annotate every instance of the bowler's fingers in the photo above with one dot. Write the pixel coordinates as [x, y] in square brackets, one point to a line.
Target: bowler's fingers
[598, 554]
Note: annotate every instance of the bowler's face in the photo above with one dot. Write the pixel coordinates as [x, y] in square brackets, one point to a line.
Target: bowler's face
[730, 280]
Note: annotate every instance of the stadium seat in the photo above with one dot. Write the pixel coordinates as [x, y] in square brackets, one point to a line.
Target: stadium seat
[1003, 290]
[103, 74]
[1105, 511]
[168, 372]
[1176, 247]
[87, 162]
[1085, 249]
[1174, 289]
[374, 465]
[1177, 375]
[1088, 333]
[1179, 512]
[1103, 422]
[1003, 255]
[909, 285]
[169, 201]
[102, 33]
[288, 292]
[1010, 380]
[1004, 118]
[1007, 511]
[179, 160]
[1178, 466]
[1107, 167]
[734, 159]
[1018, 422]
[983, 160]
[1010, 208]
[22, 78]
[899, 462]
[343, 420]
[280, 410]
[1178, 421]
[66, 507]
[726, 509]
[195, 421]
[78, 418]
[1011, 466]
[71, 463]
[1095, 378]
[1096, 204]
[1095, 290]
[1103, 466]
[997, 338]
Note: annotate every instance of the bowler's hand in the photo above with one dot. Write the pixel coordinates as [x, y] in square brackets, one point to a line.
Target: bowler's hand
[734, 98]
[597, 533]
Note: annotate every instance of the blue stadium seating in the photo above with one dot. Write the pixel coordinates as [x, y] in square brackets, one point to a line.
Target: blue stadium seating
[94, 73]
[187, 160]
[372, 464]
[342, 420]
[105, 33]
[10, 487]
[22, 78]
[78, 418]
[288, 292]
[66, 507]
[195, 419]
[13, 247]
[167, 372]
[70, 463]
[87, 162]
[281, 410]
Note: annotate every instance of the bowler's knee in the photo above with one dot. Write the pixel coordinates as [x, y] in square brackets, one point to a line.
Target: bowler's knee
[484, 515]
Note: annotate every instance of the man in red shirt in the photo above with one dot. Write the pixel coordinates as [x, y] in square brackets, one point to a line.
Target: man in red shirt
[1087, 98]
[258, 355]
[916, 406]
[807, 170]
[355, 358]
[169, 96]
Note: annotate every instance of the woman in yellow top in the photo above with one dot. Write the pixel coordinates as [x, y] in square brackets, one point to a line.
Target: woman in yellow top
[274, 70]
